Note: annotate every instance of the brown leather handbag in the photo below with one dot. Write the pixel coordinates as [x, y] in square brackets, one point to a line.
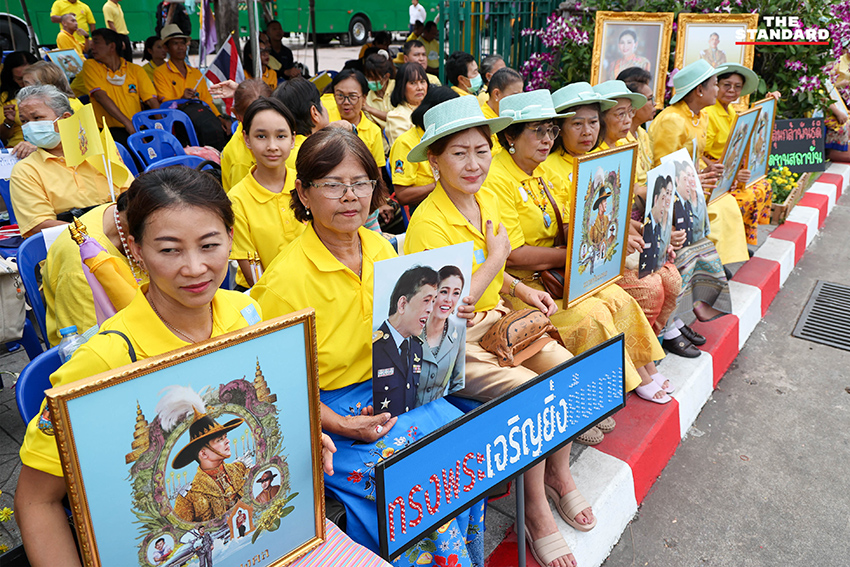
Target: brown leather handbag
[518, 336]
[553, 279]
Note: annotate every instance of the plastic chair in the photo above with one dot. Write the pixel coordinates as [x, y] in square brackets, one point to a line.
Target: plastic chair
[33, 381]
[154, 145]
[31, 252]
[164, 119]
[233, 126]
[187, 160]
[128, 159]
[178, 101]
[6, 193]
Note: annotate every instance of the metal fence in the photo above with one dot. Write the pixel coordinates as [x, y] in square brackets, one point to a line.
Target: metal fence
[485, 28]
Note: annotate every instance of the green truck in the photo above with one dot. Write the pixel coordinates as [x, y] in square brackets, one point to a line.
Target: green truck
[352, 24]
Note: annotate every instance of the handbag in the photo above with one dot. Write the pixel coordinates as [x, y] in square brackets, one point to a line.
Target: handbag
[517, 336]
[553, 278]
[12, 302]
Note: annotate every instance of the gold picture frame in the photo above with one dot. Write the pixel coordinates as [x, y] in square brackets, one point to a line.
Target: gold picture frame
[585, 248]
[735, 151]
[758, 152]
[657, 45]
[278, 466]
[700, 27]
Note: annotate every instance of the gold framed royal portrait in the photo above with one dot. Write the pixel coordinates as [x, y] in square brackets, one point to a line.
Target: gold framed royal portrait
[632, 39]
[138, 445]
[715, 38]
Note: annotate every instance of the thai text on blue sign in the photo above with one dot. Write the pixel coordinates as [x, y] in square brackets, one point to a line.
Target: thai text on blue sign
[446, 472]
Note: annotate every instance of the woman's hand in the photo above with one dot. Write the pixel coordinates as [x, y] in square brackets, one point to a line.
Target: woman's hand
[635, 241]
[839, 115]
[677, 239]
[328, 450]
[466, 309]
[344, 124]
[224, 89]
[9, 113]
[386, 212]
[743, 176]
[498, 243]
[22, 149]
[536, 298]
[775, 95]
[367, 426]
[671, 255]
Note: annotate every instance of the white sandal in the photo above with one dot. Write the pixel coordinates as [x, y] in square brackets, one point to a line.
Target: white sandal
[648, 391]
[659, 379]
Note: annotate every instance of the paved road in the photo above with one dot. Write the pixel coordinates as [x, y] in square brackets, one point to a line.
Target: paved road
[761, 479]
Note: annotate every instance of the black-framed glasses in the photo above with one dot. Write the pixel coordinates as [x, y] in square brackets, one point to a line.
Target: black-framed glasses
[542, 131]
[337, 190]
[352, 98]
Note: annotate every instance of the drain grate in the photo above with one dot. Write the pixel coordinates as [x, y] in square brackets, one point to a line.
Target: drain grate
[826, 317]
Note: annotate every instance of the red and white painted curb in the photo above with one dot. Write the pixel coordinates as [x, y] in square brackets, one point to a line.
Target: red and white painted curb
[616, 475]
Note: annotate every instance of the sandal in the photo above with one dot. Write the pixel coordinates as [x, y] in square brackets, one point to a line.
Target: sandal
[590, 437]
[659, 379]
[648, 391]
[606, 425]
[569, 506]
[548, 548]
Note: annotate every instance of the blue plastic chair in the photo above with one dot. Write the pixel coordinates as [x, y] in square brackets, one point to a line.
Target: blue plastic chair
[30, 254]
[178, 101]
[187, 160]
[33, 381]
[6, 193]
[164, 119]
[233, 126]
[128, 159]
[153, 145]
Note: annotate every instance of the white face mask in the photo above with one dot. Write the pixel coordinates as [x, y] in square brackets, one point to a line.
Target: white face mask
[41, 133]
[117, 80]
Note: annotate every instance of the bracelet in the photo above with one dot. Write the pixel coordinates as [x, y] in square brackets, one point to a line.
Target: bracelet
[7, 125]
[512, 290]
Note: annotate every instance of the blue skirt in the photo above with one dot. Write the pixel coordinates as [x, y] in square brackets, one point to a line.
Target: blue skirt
[460, 542]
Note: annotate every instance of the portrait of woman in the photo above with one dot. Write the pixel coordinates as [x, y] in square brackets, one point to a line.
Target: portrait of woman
[628, 46]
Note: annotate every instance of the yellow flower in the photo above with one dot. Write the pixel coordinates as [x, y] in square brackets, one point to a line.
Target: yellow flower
[5, 514]
[386, 453]
[3, 548]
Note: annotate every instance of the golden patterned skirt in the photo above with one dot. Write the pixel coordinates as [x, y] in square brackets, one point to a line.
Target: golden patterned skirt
[754, 203]
[656, 293]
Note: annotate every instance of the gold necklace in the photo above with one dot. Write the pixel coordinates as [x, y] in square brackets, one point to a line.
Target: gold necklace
[175, 329]
[469, 220]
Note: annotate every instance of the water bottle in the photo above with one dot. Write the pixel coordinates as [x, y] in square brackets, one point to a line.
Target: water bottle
[70, 342]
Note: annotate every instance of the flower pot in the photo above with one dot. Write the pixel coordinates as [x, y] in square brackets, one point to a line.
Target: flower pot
[779, 211]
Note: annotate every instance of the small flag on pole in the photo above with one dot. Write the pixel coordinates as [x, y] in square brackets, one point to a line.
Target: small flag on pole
[80, 136]
[226, 65]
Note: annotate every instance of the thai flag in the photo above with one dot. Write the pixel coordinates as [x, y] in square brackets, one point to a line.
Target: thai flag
[226, 65]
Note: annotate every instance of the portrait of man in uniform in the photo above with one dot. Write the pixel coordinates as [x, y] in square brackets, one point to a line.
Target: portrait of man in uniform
[268, 491]
[396, 345]
[203, 547]
[657, 227]
[714, 55]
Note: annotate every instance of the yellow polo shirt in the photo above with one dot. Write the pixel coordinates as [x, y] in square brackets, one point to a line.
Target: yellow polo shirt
[460, 91]
[381, 103]
[67, 295]
[432, 48]
[128, 97]
[76, 42]
[329, 102]
[16, 136]
[372, 136]
[522, 202]
[644, 159]
[43, 186]
[720, 122]
[264, 221]
[677, 127]
[149, 68]
[437, 223]
[81, 10]
[406, 173]
[490, 113]
[343, 302]
[112, 12]
[293, 155]
[170, 84]
[102, 353]
[269, 77]
[562, 165]
[398, 121]
[236, 160]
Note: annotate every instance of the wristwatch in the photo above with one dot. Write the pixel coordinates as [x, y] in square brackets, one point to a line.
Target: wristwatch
[7, 125]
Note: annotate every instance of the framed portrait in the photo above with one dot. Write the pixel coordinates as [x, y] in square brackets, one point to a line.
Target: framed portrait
[632, 39]
[658, 218]
[68, 60]
[712, 37]
[758, 155]
[206, 455]
[733, 154]
[690, 212]
[601, 194]
[418, 341]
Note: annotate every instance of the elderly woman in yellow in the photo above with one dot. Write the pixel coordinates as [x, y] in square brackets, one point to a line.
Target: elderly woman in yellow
[410, 88]
[236, 159]
[683, 124]
[736, 82]
[617, 120]
[349, 93]
[178, 229]
[504, 82]
[337, 187]
[528, 194]
[457, 145]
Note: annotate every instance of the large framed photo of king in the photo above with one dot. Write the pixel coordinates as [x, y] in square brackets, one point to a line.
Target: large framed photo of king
[632, 39]
[209, 455]
[601, 194]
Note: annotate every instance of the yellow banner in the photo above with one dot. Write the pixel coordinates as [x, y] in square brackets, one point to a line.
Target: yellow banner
[80, 136]
[121, 176]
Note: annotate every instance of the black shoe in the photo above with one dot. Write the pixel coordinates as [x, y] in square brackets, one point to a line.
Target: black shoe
[728, 273]
[692, 335]
[681, 346]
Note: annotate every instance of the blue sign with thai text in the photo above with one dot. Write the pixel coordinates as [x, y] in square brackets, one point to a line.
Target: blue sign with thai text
[446, 472]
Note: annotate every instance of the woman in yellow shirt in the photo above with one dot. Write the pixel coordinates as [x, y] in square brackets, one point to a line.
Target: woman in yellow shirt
[380, 74]
[457, 145]
[264, 223]
[155, 55]
[754, 201]
[180, 306]
[617, 120]
[11, 81]
[516, 177]
[349, 90]
[410, 88]
[330, 267]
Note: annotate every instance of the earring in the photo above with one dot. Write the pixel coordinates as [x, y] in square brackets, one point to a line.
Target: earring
[512, 150]
[436, 175]
[308, 213]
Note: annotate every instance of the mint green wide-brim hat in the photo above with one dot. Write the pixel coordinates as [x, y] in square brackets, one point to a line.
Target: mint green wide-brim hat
[751, 80]
[579, 94]
[532, 106]
[612, 90]
[692, 76]
[450, 117]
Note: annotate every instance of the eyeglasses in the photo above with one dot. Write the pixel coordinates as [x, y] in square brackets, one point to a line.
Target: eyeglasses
[337, 190]
[543, 131]
[731, 86]
[622, 114]
[352, 98]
